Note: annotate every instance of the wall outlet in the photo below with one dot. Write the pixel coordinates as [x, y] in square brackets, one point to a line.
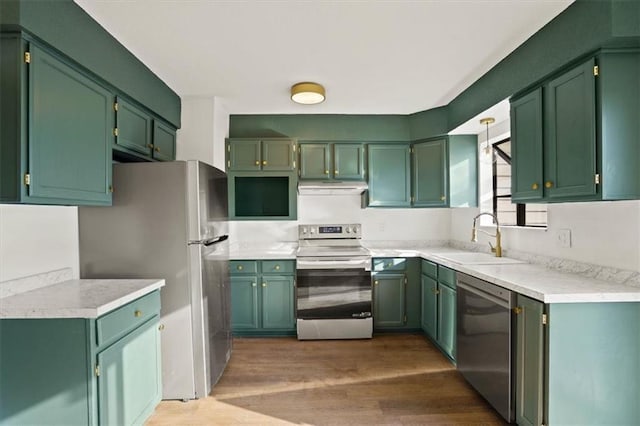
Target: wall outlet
[563, 238]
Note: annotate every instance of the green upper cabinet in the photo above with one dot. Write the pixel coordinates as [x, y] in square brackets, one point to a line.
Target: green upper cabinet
[134, 128]
[389, 175]
[430, 174]
[575, 138]
[164, 142]
[70, 132]
[261, 155]
[325, 161]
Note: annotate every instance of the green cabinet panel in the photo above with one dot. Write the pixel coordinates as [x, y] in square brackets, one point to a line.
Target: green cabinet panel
[526, 147]
[348, 161]
[315, 161]
[134, 128]
[120, 322]
[447, 320]
[263, 302]
[447, 276]
[262, 195]
[389, 300]
[53, 371]
[244, 302]
[570, 133]
[261, 155]
[429, 314]
[529, 356]
[164, 142]
[129, 383]
[277, 302]
[389, 175]
[430, 174]
[70, 133]
[429, 269]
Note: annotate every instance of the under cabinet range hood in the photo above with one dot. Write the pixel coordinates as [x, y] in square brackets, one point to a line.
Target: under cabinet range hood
[331, 187]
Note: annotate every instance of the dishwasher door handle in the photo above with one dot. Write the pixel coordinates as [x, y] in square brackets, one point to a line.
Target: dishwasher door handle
[478, 292]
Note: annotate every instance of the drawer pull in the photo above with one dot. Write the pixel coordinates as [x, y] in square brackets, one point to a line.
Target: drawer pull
[534, 186]
[240, 267]
[548, 184]
[277, 267]
[137, 314]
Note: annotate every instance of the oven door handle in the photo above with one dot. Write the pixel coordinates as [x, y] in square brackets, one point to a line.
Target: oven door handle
[333, 264]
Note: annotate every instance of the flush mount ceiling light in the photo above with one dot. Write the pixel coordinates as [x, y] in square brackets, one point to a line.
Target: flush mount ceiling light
[307, 93]
[487, 121]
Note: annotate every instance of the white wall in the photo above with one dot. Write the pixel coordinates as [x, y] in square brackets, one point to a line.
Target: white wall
[37, 239]
[205, 125]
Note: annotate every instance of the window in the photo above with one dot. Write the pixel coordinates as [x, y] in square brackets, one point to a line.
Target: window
[534, 215]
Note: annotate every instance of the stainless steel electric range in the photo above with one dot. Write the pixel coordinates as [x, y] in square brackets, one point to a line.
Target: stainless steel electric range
[334, 293]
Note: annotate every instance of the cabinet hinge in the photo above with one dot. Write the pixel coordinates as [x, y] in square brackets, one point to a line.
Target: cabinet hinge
[228, 147]
[413, 199]
[27, 57]
[412, 150]
[405, 280]
[294, 164]
[27, 179]
[405, 319]
[115, 132]
[115, 106]
[299, 173]
[294, 148]
[596, 70]
[96, 370]
[597, 178]
[229, 164]
[544, 319]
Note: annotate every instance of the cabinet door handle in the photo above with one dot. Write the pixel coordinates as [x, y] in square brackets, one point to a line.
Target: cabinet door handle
[517, 310]
[161, 327]
[376, 282]
[157, 149]
[534, 186]
[436, 291]
[548, 184]
[254, 285]
[137, 314]
[150, 145]
[264, 162]
[264, 284]
[257, 163]
[326, 172]
[442, 198]
[335, 172]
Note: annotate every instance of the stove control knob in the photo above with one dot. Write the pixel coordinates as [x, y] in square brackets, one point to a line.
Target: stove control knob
[355, 230]
[304, 230]
[312, 231]
[348, 230]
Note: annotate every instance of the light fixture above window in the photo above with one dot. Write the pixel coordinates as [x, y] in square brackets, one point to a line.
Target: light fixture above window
[307, 93]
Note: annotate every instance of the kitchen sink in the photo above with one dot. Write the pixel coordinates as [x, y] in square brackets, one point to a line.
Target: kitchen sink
[474, 258]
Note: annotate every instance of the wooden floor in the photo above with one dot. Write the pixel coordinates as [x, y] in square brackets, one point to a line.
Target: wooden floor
[388, 380]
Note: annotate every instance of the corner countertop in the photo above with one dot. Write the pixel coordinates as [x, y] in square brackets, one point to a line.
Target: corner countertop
[532, 280]
[76, 298]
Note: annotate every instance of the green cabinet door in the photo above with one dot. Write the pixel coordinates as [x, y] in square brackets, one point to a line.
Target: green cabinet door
[348, 161]
[71, 121]
[164, 142]
[278, 155]
[315, 161]
[389, 175]
[134, 128]
[430, 174]
[526, 147]
[447, 320]
[570, 134]
[429, 315]
[244, 302]
[244, 155]
[389, 300]
[277, 302]
[129, 385]
[529, 362]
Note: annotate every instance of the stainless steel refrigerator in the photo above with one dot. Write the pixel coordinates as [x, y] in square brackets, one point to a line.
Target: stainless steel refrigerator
[169, 220]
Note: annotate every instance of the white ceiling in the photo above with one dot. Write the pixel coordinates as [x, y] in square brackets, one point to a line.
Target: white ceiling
[373, 57]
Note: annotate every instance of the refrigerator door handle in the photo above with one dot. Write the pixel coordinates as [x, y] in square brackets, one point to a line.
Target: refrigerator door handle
[210, 241]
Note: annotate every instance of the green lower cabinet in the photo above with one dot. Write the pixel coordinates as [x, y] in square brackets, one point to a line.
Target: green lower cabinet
[529, 356]
[389, 296]
[55, 371]
[439, 306]
[429, 306]
[447, 320]
[262, 297]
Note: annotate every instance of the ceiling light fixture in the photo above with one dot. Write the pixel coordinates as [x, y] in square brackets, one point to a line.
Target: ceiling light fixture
[307, 93]
[487, 121]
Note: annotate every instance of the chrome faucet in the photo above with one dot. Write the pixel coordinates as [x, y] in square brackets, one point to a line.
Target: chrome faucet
[474, 234]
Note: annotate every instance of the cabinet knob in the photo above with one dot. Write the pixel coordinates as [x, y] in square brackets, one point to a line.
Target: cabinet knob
[548, 184]
[137, 314]
[376, 282]
[517, 310]
[436, 291]
[534, 186]
[264, 162]
[254, 285]
[157, 149]
[257, 163]
[240, 267]
[264, 284]
[150, 145]
[277, 267]
[326, 172]
[335, 172]
[442, 198]
[111, 188]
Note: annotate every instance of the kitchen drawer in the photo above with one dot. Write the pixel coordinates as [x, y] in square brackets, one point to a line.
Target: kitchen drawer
[430, 269]
[127, 318]
[446, 276]
[243, 267]
[278, 266]
[390, 264]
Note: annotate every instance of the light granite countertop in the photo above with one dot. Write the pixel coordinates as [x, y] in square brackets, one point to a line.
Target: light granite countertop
[533, 280]
[75, 298]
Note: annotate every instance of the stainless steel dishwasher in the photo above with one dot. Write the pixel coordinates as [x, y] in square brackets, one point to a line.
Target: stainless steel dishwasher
[485, 350]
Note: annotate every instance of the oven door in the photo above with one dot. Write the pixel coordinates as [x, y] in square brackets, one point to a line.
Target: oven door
[333, 288]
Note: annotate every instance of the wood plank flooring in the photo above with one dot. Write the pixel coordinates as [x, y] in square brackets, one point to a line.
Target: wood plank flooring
[397, 379]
